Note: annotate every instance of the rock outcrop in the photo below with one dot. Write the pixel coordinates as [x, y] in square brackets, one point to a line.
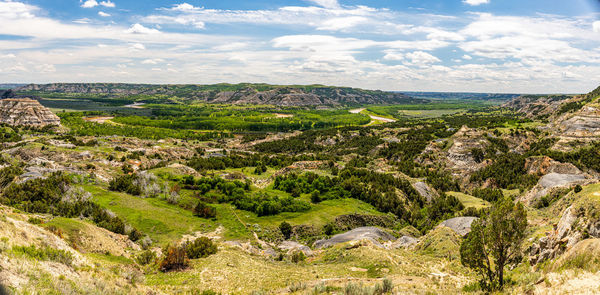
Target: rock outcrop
[576, 223]
[545, 165]
[26, 112]
[552, 181]
[425, 191]
[373, 234]
[234, 94]
[460, 225]
[533, 106]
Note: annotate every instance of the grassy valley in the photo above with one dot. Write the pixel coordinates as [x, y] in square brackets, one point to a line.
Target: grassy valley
[156, 189]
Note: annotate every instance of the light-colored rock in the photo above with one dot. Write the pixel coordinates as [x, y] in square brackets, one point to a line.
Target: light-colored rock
[552, 180]
[362, 233]
[425, 191]
[291, 246]
[404, 242]
[27, 112]
[460, 225]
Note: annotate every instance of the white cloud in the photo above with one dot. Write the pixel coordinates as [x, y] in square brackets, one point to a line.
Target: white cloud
[45, 68]
[17, 10]
[326, 3]
[140, 29]
[596, 26]
[185, 7]
[421, 57]
[532, 40]
[138, 46]
[337, 46]
[467, 57]
[337, 24]
[392, 55]
[108, 3]
[476, 2]
[84, 20]
[8, 56]
[152, 61]
[103, 14]
[89, 4]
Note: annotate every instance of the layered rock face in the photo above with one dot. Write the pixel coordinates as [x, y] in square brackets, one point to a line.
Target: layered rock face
[244, 94]
[26, 112]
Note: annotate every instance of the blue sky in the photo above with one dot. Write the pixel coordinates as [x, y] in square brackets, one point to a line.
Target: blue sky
[533, 46]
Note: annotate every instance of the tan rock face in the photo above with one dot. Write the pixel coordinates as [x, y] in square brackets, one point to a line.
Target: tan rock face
[27, 112]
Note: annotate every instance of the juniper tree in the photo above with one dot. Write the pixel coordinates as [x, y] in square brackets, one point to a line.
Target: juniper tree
[495, 242]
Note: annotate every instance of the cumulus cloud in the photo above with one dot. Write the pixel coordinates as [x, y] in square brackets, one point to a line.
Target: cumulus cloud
[476, 2]
[94, 3]
[103, 14]
[140, 29]
[138, 46]
[325, 43]
[89, 3]
[108, 3]
[185, 7]
[421, 57]
[152, 61]
[596, 26]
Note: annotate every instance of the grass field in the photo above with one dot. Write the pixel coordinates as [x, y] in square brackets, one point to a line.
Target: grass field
[470, 201]
[165, 223]
[428, 113]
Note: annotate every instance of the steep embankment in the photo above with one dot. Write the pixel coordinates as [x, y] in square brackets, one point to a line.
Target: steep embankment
[571, 119]
[232, 94]
[24, 111]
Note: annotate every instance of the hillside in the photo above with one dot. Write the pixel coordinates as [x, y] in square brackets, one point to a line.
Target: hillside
[24, 111]
[200, 198]
[312, 95]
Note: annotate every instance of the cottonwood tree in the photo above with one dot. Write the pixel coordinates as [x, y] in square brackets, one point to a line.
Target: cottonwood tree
[495, 242]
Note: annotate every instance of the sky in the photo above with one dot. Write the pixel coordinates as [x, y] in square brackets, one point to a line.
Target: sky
[512, 46]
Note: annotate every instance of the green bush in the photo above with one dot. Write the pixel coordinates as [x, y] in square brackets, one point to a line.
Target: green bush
[205, 211]
[286, 229]
[200, 248]
[45, 254]
[175, 259]
[298, 256]
[145, 257]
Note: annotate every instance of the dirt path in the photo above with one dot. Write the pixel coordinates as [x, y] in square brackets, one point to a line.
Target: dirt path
[373, 118]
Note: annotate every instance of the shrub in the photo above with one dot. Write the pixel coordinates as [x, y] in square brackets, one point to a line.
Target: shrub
[173, 198]
[315, 196]
[145, 257]
[125, 183]
[8, 174]
[298, 256]
[578, 188]
[35, 220]
[175, 259]
[297, 287]
[205, 211]
[286, 229]
[47, 253]
[134, 235]
[200, 247]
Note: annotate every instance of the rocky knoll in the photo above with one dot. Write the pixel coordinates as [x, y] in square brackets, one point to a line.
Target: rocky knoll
[460, 225]
[533, 106]
[581, 126]
[232, 94]
[27, 112]
[374, 234]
